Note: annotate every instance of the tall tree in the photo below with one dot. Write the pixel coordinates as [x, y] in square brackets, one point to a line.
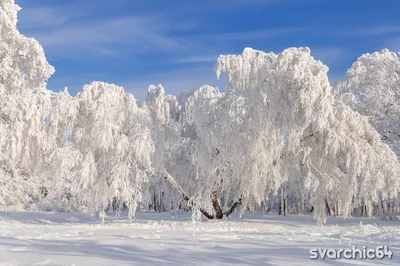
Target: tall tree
[279, 123]
[23, 101]
[114, 139]
[372, 88]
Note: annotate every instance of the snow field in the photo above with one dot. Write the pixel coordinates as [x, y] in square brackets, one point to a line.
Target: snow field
[173, 239]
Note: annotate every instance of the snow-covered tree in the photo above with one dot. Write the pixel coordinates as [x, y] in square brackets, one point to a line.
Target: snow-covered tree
[23, 101]
[116, 146]
[279, 133]
[279, 124]
[318, 140]
[166, 131]
[372, 88]
[61, 165]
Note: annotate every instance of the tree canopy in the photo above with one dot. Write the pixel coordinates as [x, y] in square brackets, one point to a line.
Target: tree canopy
[279, 134]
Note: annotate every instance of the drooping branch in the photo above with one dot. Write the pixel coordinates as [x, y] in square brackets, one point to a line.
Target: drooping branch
[214, 198]
[307, 137]
[176, 186]
[182, 193]
[233, 207]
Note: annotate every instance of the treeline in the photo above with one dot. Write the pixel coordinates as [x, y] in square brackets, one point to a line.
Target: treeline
[280, 138]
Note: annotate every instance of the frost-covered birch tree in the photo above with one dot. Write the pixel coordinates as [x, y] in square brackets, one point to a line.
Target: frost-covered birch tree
[278, 133]
[23, 101]
[279, 124]
[116, 146]
[169, 155]
[372, 88]
[328, 147]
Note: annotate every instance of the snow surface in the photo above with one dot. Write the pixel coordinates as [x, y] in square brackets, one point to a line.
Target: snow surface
[38, 238]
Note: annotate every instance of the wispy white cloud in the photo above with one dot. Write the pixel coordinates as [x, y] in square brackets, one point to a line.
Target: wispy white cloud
[329, 55]
[43, 17]
[76, 31]
[131, 30]
[113, 37]
[392, 44]
[257, 34]
[372, 31]
[212, 5]
[73, 29]
[109, 38]
[198, 59]
[81, 32]
[74, 82]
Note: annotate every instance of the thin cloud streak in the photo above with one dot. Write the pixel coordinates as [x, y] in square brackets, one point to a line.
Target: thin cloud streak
[105, 38]
[329, 55]
[63, 34]
[212, 5]
[46, 17]
[197, 59]
[372, 31]
[392, 44]
[256, 34]
[79, 32]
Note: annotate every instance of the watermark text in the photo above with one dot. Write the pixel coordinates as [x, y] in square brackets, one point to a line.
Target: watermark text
[364, 253]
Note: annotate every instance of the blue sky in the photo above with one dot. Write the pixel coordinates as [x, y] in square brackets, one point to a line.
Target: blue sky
[137, 43]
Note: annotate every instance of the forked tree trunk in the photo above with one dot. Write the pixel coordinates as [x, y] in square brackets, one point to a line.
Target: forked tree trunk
[219, 213]
[182, 193]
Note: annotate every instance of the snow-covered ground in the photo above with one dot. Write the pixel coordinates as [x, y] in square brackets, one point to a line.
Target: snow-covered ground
[173, 239]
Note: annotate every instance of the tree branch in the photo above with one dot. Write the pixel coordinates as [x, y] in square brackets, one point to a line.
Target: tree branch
[184, 196]
[233, 207]
[307, 137]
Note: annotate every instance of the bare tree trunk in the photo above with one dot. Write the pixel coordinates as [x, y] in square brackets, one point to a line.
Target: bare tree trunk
[102, 215]
[382, 208]
[286, 206]
[160, 199]
[233, 207]
[369, 208]
[154, 200]
[180, 191]
[328, 208]
[283, 203]
[214, 199]
[215, 203]
[281, 200]
[336, 209]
